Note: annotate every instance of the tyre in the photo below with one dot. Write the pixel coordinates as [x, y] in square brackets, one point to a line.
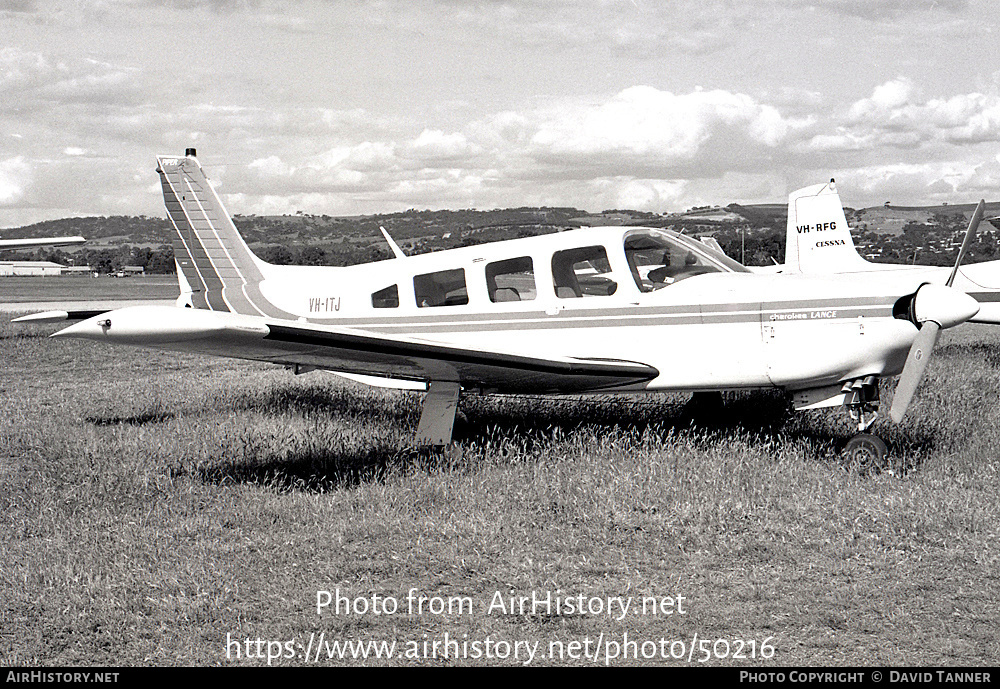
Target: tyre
[866, 453]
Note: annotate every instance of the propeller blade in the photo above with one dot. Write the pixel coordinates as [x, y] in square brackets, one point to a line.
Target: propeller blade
[969, 234]
[913, 370]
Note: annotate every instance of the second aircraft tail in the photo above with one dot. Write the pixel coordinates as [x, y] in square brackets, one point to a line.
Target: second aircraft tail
[818, 239]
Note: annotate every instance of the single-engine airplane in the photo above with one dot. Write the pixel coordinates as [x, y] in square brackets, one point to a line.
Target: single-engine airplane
[608, 309]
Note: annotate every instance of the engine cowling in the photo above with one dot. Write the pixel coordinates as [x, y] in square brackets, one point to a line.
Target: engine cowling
[943, 305]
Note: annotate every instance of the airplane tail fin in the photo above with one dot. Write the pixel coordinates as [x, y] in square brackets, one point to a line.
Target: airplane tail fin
[818, 239]
[215, 267]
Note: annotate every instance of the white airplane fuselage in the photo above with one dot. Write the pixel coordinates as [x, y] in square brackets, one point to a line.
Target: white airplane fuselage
[720, 330]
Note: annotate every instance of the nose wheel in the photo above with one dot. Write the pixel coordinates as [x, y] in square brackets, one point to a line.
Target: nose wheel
[865, 452]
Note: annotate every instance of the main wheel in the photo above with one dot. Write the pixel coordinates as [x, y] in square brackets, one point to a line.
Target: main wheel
[866, 453]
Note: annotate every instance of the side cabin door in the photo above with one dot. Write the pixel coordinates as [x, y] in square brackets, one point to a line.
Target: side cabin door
[730, 344]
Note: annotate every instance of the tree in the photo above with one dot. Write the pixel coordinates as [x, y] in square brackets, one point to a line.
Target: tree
[312, 256]
[278, 255]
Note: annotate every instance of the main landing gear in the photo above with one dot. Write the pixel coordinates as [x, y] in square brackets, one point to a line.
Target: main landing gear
[437, 416]
[865, 452]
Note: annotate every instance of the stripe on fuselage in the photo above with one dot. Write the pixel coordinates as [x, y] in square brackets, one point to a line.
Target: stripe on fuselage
[694, 314]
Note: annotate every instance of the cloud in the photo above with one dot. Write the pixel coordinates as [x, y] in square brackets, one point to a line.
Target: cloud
[985, 178]
[886, 98]
[642, 194]
[20, 68]
[15, 177]
[31, 81]
[214, 5]
[645, 147]
[641, 133]
[26, 6]
[661, 131]
[896, 116]
[434, 147]
[363, 167]
[841, 140]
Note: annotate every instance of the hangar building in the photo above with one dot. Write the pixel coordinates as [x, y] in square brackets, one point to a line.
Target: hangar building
[30, 268]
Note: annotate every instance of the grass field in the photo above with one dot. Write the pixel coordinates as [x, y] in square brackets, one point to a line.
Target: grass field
[155, 506]
[32, 289]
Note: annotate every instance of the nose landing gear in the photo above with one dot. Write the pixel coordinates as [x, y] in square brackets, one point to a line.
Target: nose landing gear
[864, 452]
[861, 401]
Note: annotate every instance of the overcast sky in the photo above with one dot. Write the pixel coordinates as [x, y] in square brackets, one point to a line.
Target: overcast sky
[362, 106]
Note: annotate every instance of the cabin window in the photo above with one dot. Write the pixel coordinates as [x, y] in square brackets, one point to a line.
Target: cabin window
[582, 272]
[511, 280]
[387, 298]
[656, 260]
[443, 288]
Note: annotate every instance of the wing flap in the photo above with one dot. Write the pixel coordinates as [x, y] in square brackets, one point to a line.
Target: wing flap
[362, 352]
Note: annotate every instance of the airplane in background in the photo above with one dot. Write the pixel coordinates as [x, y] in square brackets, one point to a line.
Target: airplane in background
[818, 241]
[595, 310]
[39, 242]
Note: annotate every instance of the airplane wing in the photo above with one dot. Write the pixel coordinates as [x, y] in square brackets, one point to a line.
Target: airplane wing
[355, 351]
[40, 241]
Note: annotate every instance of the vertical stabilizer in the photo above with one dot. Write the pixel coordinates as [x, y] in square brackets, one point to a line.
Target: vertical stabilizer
[215, 267]
[818, 239]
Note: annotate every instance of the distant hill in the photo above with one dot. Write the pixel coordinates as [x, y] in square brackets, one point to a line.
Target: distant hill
[762, 214]
[124, 228]
[892, 219]
[347, 240]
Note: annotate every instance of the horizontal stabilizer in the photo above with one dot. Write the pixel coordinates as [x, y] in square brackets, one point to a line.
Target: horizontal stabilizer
[57, 316]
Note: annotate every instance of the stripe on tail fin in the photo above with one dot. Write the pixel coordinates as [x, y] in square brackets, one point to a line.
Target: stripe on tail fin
[221, 272]
[818, 239]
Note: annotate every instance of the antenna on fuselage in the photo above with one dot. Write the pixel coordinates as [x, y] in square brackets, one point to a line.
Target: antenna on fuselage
[392, 245]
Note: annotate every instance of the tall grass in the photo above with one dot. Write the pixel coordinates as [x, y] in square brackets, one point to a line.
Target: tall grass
[151, 504]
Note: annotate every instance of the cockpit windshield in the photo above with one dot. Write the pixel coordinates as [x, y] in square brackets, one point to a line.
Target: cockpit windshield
[660, 258]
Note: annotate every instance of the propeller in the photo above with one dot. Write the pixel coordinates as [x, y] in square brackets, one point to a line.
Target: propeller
[934, 308]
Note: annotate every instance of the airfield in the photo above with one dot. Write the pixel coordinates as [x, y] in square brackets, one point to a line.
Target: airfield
[160, 509]
[22, 295]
